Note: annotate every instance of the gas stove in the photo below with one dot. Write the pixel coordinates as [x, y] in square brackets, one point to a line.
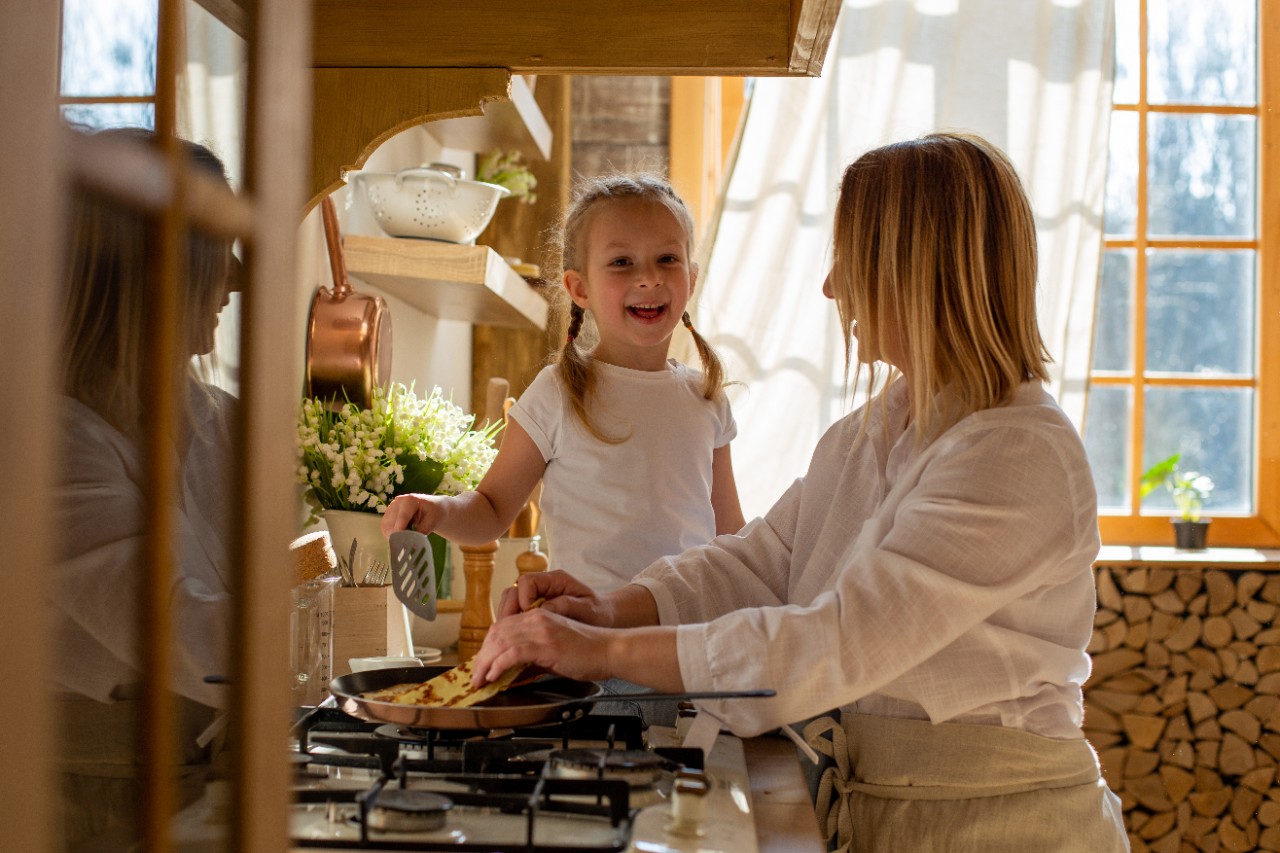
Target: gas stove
[596, 783]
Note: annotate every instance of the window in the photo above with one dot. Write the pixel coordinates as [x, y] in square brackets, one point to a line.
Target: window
[108, 68]
[1184, 360]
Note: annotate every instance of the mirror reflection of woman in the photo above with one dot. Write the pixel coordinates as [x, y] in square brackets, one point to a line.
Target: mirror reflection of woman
[102, 515]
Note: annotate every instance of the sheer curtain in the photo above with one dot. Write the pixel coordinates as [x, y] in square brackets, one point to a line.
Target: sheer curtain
[211, 110]
[1033, 77]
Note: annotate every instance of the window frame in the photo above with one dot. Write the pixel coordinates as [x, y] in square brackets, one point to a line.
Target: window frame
[1262, 528]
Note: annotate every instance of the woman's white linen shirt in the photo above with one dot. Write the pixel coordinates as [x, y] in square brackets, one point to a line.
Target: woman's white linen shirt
[949, 581]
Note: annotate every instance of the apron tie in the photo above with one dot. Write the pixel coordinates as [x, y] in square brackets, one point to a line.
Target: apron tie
[827, 737]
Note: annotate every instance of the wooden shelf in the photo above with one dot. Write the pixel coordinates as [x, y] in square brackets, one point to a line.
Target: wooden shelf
[517, 123]
[447, 280]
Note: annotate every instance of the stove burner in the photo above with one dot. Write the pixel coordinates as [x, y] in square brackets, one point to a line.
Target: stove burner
[405, 810]
[636, 767]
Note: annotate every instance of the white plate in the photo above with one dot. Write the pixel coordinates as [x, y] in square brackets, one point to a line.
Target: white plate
[426, 654]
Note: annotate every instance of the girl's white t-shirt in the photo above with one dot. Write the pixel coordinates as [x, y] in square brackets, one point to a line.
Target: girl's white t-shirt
[612, 509]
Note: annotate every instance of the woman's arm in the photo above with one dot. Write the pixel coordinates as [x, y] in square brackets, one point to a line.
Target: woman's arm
[724, 493]
[473, 518]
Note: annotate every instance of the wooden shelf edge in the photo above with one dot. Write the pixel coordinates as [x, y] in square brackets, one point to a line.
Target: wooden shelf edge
[516, 123]
[447, 280]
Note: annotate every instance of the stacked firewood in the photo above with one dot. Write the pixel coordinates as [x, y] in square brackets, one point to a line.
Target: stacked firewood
[1184, 705]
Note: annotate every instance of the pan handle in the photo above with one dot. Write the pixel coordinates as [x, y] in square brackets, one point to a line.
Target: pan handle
[666, 697]
[341, 287]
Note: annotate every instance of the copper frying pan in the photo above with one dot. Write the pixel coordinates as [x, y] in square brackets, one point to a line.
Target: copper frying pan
[348, 333]
[547, 700]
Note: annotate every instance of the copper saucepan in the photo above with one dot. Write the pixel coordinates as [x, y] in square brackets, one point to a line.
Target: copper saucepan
[348, 334]
[547, 700]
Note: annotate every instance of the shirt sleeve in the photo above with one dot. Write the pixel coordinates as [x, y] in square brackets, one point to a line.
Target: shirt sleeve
[99, 579]
[990, 520]
[728, 426]
[540, 411]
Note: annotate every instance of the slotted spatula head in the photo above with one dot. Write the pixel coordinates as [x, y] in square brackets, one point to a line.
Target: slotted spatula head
[413, 572]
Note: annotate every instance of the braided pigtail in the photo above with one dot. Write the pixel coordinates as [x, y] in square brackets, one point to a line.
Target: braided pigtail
[712, 368]
[578, 376]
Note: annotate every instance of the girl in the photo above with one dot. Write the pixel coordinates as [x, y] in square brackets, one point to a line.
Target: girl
[928, 585]
[633, 446]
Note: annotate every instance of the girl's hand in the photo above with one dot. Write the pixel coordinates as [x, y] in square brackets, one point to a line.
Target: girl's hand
[546, 640]
[418, 512]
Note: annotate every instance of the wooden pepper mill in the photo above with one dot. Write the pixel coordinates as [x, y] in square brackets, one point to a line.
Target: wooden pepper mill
[532, 560]
[477, 607]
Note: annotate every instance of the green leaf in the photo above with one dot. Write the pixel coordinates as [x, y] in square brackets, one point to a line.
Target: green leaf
[421, 476]
[1158, 474]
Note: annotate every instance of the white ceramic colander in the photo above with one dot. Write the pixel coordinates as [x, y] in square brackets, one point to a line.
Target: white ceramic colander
[429, 202]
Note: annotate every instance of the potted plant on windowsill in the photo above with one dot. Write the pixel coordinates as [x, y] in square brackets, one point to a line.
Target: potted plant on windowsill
[1189, 489]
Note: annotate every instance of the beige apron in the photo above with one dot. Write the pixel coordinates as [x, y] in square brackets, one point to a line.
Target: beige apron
[98, 763]
[917, 787]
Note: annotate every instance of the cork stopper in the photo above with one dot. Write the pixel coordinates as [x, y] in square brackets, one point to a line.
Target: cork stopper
[313, 557]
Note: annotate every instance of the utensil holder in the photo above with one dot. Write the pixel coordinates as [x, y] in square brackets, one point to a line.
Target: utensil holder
[368, 622]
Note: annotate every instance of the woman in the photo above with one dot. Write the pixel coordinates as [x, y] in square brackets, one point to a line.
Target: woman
[103, 514]
[930, 578]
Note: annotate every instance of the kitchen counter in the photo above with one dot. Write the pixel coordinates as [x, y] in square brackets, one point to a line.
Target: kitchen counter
[785, 822]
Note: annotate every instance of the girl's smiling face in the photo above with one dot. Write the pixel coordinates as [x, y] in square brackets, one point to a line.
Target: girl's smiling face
[636, 280]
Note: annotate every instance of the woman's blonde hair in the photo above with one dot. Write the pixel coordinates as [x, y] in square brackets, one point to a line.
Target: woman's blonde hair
[935, 245]
[104, 339]
[574, 364]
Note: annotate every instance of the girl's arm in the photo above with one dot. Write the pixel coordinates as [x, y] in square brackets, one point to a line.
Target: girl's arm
[473, 518]
[724, 493]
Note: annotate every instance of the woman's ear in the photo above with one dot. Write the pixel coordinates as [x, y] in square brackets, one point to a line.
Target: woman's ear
[576, 286]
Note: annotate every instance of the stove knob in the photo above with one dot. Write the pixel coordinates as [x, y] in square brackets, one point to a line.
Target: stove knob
[688, 803]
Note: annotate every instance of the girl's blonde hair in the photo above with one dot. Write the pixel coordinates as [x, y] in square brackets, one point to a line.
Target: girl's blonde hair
[574, 364]
[105, 342]
[935, 243]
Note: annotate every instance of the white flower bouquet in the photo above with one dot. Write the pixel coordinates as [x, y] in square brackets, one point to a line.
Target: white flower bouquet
[359, 459]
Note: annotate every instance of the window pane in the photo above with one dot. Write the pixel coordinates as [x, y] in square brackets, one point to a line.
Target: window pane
[98, 116]
[109, 47]
[1200, 309]
[1203, 175]
[1201, 52]
[1106, 439]
[1112, 349]
[1213, 430]
[1121, 212]
[1127, 45]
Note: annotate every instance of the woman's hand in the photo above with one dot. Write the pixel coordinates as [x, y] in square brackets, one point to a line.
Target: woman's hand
[417, 512]
[547, 640]
[560, 593]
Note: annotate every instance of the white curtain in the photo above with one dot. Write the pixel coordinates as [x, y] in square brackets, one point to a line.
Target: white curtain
[211, 111]
[1032, 77]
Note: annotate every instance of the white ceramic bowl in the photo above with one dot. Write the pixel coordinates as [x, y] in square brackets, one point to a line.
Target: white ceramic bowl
[383, 662]
[430, 203]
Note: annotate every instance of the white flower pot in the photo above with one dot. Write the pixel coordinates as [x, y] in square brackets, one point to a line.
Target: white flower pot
[372, 552]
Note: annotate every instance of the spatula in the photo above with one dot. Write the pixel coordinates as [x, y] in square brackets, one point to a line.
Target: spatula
[413, 572]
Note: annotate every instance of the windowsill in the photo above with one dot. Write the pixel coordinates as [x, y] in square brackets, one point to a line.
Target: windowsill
[1243, 558]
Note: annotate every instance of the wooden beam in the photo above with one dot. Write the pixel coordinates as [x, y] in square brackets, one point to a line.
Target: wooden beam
[813, 22]
[357, 109]
[661, 37]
